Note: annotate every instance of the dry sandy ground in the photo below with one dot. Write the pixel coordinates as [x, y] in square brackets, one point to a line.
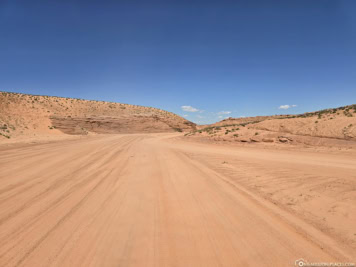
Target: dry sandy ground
[157, 200]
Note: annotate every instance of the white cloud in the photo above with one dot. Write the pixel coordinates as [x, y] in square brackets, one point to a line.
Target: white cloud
[287, 106]
[224, 112]
[223, 117]
[185, 115]
[200, 117]
[189, 109]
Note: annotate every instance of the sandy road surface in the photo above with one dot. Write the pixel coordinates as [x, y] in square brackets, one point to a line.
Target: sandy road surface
[148, 200]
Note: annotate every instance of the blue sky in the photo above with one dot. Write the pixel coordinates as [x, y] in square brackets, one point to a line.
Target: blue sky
[205, 60]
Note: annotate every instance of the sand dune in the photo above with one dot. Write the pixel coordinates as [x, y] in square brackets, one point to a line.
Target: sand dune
[30, 117]
[328, 128]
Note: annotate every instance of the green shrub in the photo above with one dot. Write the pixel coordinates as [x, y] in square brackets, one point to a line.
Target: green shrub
[4, 135]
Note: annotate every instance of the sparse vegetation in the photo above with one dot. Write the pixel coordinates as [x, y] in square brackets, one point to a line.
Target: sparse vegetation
[4, 135]
[347, 113]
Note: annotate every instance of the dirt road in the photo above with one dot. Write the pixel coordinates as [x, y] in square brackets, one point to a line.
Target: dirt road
[148, 200]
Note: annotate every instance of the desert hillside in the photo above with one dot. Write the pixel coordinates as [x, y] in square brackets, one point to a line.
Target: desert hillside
[24, 115]
[243, 120]
[335, 126]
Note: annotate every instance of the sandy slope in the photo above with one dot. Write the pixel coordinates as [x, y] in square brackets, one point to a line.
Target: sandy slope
[329, 128]
[150, 200]
[29, 117]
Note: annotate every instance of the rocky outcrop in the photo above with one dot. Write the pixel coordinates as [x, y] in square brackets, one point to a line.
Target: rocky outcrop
[29, 115]
[112, 125]
[284, 139]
